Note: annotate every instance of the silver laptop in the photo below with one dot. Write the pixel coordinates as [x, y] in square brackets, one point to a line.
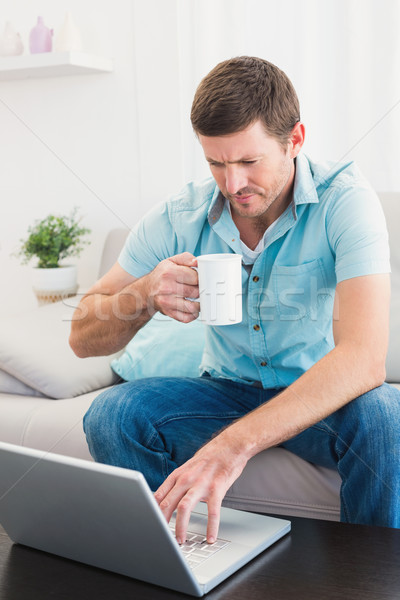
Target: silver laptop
[107, 517]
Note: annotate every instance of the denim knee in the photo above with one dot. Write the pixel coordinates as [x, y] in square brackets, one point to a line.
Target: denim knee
[96, 421]
[382, 405]
[375, 415]
[121, 430]
[101, 422]
[119, 416]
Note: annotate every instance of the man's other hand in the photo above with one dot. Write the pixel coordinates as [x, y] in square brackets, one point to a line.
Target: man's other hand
[205, 477]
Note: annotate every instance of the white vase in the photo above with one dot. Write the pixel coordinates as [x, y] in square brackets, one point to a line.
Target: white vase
[51, 285]
[10, 42]
[69, 37]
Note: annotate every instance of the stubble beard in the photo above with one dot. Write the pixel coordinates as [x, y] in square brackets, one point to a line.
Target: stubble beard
[273, 196]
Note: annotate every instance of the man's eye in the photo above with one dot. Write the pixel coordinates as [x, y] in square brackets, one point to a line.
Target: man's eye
[249, 162]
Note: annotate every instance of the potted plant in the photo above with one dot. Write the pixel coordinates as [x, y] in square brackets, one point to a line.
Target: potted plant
[51, 240]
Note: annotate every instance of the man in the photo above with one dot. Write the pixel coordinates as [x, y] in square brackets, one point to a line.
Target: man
[306, 367]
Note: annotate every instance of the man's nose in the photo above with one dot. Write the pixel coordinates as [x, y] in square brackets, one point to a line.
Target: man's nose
[235, 179]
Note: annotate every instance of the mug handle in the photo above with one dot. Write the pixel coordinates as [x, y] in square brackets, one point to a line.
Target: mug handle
[194, 299]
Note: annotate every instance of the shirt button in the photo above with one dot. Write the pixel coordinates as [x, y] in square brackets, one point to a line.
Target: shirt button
[263, 363]
[255, 278]
[256, 327]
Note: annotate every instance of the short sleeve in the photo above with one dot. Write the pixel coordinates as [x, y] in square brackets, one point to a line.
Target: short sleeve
[152, 240]
[357, 232]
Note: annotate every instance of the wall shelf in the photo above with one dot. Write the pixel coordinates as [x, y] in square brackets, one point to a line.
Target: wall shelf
[52, 64]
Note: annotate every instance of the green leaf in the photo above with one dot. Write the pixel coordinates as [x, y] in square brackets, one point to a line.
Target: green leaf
[52, 239]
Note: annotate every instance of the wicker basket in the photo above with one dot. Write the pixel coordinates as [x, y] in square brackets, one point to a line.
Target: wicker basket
[48, 296]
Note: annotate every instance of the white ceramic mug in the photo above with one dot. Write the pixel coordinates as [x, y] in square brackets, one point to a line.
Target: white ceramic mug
[220, 288]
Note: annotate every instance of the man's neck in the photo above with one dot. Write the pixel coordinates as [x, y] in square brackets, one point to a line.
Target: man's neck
[252, 229]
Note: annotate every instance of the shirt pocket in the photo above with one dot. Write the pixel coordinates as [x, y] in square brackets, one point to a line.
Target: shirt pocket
[300, 289]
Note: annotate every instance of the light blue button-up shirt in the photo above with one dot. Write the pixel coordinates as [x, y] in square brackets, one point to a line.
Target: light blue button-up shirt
[333, 230]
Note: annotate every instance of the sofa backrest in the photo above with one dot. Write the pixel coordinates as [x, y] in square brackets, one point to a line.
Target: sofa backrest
[391, 206]
[112, 247]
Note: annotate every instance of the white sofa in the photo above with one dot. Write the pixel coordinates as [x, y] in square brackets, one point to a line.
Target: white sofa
[45, 390]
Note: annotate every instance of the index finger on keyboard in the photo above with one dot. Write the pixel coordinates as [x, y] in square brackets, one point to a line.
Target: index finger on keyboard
[214, 511]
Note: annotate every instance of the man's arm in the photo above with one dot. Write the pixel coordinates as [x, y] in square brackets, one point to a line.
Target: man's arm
[355, 366]
[118, 305]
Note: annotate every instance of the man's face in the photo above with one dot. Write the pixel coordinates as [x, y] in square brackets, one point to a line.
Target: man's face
[252, 170]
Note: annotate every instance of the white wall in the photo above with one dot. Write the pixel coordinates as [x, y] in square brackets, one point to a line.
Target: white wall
[343, 57]
[68, 141]
[114, 144]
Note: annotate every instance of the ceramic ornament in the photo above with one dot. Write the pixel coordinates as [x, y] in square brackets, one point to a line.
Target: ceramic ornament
[10, 42]
[69, 38]
[40, 38]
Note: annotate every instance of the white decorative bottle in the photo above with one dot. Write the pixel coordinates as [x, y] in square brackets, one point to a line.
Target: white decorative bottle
[69, 37]
[10, 42]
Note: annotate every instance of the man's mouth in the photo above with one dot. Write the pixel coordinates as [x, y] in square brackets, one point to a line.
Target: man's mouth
[243, 199]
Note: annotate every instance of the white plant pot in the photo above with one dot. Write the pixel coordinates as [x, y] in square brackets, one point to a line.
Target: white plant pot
[61, 278]
[51, 285]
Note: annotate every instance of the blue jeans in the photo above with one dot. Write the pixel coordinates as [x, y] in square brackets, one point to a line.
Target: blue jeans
[154, 425]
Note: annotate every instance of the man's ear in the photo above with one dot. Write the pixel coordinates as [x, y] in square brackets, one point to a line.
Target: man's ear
[296, 140]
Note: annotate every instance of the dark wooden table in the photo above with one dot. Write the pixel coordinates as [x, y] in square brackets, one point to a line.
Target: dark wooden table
[318, 560]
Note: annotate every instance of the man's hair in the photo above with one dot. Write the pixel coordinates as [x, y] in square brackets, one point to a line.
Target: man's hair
[240, 91]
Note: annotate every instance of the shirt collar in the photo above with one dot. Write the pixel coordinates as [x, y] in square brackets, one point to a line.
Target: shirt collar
[304, 191]
[216, 206]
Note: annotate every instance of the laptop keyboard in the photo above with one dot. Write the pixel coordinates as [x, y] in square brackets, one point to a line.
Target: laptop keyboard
[196, 549]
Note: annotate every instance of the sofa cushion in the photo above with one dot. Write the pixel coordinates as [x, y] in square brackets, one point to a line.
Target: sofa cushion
[163, 348]
[34, 349]
[279, 482]
[11, 385]
[44, 424]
